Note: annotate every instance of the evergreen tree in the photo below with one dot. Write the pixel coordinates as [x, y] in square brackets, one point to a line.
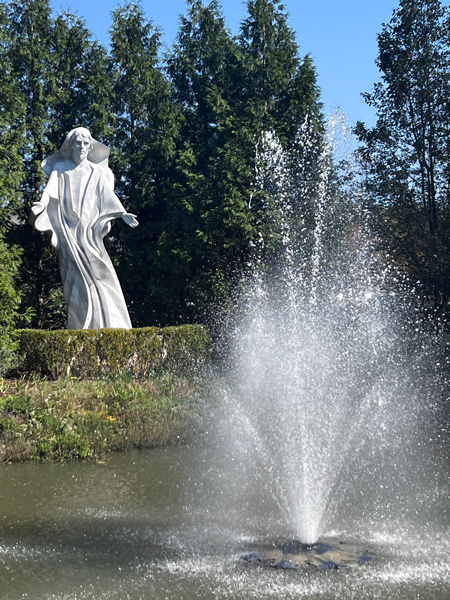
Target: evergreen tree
[11, 175]
[280, 88]
[81, 91]
[12, 112]
[10, 300]
[30, 29]
[142, 144]
[52, 61]
[280, 102]
[211, 224]
[407, 153]
[231, 93]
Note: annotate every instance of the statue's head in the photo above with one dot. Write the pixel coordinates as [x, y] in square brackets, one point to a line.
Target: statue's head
[81, 143]
[78, 146]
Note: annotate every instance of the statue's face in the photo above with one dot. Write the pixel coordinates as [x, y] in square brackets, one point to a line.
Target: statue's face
[80, 148]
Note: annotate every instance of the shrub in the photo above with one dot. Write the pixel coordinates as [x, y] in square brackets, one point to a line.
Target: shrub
[90, 353]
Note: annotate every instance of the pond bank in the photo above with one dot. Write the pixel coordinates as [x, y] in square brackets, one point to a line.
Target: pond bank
[73, 418]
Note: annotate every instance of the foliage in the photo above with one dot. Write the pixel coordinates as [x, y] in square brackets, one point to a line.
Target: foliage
[82, 419]
[144, 126]
[279, 88]
[99, 353]
[11, 116]
[407, 153]
[282, 110]
[10, 301]
[209, 189]
[182, 130]
[311, 193]
[59, 80]
[230, 91]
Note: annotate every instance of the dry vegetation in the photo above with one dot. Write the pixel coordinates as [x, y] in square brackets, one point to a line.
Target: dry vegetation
[73, 418]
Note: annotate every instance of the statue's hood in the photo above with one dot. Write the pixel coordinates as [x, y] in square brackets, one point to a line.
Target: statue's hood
[98, 155]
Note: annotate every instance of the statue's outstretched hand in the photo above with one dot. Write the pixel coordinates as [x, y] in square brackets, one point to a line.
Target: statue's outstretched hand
[37, 208]
[130, 219]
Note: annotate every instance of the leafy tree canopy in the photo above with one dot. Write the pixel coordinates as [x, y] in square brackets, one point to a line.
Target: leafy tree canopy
[407, 153]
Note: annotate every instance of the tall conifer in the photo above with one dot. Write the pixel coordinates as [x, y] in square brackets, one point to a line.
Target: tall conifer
[51, 61]
[280, 87]
[142, 142]
[280, 107]
[211, 185]
[12, 113]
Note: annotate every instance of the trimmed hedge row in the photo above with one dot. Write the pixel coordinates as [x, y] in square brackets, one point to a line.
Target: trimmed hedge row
[89, 353]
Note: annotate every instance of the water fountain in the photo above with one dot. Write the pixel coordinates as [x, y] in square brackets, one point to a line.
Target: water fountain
[325, 403]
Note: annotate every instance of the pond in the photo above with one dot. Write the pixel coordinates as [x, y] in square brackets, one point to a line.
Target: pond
[151, 525]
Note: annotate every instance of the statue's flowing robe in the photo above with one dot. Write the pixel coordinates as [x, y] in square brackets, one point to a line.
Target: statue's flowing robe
[78, 216]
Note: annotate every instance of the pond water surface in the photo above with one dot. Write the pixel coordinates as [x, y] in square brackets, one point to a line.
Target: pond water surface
[147, 525]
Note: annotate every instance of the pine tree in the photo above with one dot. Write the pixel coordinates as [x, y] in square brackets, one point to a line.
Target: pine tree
[81, 91]
[280, 103]
[12, 112]
[231, 92]
[30, 29]
[10, 301]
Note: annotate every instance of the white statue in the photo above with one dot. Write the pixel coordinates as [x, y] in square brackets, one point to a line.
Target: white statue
[77, 207]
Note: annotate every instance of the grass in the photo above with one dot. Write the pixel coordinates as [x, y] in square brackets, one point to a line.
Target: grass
[72, 418]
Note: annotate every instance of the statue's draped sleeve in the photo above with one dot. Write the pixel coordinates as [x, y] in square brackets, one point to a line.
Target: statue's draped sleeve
[43, 222]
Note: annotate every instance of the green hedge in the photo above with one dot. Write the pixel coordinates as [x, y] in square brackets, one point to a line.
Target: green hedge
[89, 353]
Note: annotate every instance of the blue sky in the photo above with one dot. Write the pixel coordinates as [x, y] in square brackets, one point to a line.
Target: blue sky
[341, 37]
